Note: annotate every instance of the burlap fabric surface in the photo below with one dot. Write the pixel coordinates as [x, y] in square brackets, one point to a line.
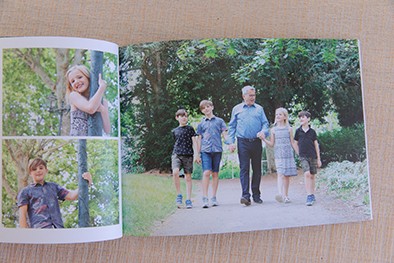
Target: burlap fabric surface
[126, 22]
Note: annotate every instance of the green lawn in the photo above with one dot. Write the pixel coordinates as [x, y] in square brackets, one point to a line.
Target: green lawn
[147, 199]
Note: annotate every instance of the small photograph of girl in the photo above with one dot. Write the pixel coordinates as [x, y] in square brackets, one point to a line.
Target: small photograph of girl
[59, 92]
[78, 92]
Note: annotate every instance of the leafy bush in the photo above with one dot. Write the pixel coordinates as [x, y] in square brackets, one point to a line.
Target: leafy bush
[197, 172]
[343, 144]
[347, 180]
[226, 171]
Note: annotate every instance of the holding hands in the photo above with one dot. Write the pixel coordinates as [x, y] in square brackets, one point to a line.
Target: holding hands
[232, 147]
[197, 159]
[261, 135]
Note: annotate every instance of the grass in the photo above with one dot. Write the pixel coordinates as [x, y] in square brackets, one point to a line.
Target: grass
[147, 199]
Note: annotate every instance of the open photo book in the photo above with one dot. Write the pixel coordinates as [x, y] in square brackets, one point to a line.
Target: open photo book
[186, 137]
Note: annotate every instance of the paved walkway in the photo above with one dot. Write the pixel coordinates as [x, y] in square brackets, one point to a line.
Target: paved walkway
[231, 216]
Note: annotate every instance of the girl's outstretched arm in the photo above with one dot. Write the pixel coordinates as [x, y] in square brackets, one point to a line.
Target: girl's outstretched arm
[103, 109]
[91, 105]
[270, 142]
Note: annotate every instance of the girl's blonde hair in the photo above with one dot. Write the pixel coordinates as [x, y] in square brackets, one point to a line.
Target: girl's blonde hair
[83, 69]
[285, 113]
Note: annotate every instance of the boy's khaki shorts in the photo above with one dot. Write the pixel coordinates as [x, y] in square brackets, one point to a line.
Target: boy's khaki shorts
[182, 161]
[309, 164]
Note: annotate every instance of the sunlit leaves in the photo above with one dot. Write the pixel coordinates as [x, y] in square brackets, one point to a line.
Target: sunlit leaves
[299, 74]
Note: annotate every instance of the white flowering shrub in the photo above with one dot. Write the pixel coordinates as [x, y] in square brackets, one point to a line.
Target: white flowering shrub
[347, 180]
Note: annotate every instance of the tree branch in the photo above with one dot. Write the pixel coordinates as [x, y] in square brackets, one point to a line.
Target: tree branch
[11, 192]
[33, 62]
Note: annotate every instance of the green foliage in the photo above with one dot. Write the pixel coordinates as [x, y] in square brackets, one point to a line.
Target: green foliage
[147, 113]
[149, 200]
[228, 170]
[347, 180]
[347, 143]
[25, 97]
[111, 70]
[157, 78]
[342, 77]
[197, 172]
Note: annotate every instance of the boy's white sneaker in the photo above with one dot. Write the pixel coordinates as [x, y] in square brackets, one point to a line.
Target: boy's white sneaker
[279, 198]
[214, 202]
[205, 202]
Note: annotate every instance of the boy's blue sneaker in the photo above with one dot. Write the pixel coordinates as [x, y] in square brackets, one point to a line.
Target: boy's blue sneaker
[310, 199]
[179, 201]
[188, 204]
[214, 202]
[205, 202]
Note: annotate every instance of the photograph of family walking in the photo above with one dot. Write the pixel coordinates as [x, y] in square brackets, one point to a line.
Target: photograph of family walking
[229, 135]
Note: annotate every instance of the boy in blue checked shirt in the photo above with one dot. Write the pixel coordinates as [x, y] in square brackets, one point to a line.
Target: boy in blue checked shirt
[210, 145]
[38, 201]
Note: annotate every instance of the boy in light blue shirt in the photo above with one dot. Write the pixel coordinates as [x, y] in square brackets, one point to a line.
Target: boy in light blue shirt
[209, 145]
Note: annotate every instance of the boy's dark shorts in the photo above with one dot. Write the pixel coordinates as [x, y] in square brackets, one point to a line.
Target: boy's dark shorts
[309, 164]
[182, 161]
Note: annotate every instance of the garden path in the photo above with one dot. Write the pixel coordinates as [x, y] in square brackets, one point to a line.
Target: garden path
[231, 216]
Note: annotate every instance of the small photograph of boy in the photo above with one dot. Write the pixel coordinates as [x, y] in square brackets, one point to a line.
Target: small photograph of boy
[60, 184]
[56, 92]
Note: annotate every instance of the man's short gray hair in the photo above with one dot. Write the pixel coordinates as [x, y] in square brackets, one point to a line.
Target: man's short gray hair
[246, 89]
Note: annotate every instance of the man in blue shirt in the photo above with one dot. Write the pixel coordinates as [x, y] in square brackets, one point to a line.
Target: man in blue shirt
[247, 120]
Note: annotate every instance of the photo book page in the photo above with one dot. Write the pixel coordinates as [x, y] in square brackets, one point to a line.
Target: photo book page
[60, 140]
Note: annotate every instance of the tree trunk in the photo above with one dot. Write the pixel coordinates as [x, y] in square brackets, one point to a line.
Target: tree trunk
[83, 194]
[95, 124]
[62, 64]
[95, 128]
